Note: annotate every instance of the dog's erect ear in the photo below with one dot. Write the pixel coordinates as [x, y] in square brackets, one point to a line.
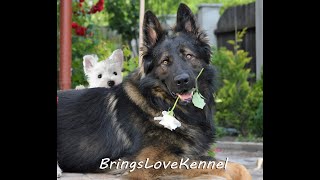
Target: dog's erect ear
[152, 30]
[185, 20]
[117, 57]
[152, 33]
[88, 62]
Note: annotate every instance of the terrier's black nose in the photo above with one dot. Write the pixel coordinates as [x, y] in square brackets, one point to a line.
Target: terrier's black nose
[110, 83]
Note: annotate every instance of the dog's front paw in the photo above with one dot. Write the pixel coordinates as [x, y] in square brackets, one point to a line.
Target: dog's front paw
[59, 171]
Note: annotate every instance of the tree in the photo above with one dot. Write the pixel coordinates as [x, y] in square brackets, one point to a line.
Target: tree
[123, 16]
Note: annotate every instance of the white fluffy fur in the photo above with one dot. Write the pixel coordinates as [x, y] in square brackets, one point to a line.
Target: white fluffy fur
[109, 70]
[59, 171]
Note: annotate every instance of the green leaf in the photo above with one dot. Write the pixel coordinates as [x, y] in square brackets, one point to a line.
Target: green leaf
[231, 42]
[218, 100]
[198, 100]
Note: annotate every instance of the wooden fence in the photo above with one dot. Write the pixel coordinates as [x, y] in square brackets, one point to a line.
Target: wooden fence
[239, 17]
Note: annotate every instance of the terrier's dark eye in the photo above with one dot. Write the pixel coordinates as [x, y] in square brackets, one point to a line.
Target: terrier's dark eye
[100, 75]
[115, 73]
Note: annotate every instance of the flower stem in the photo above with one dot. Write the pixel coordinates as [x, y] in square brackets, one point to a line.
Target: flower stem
[197, 79]
[174, 106]
[199, 74]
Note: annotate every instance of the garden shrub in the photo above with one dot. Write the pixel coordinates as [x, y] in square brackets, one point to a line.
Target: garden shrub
[256, 125]
[238, 100]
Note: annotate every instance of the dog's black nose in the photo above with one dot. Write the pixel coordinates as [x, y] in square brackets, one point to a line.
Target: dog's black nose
[110, 83]
[181, 79]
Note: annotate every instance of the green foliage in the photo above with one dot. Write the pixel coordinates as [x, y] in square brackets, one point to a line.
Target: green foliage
[161, 7]
[123, 16]
[88, 45]
[256, 125]
[130, 63]
[229, 3]
[249, 138]
[95, 41]
[239, 100]
[220, 132]
[211, 153]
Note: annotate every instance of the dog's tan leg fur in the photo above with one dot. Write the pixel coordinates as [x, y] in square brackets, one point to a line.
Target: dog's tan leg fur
[234, 171]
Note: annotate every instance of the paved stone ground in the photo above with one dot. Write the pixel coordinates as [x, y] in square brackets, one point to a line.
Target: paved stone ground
[248, 159]
[243, 155]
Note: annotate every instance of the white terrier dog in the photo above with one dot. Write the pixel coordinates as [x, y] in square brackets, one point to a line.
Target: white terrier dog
[106, 73]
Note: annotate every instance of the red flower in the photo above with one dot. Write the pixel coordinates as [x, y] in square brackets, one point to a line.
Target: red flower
[81, 31]
[97, 7]
[101, 2]
[80, 4]
[81, 1]
[74, 25]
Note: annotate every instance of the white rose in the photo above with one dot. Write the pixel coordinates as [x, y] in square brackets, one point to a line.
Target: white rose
[168, 121]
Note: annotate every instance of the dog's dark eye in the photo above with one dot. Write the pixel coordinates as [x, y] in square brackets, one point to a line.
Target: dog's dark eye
[115, 73]
[100, 75]
[189, 56]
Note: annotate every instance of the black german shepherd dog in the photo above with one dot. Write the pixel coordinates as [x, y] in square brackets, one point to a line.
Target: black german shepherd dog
[118, 123]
